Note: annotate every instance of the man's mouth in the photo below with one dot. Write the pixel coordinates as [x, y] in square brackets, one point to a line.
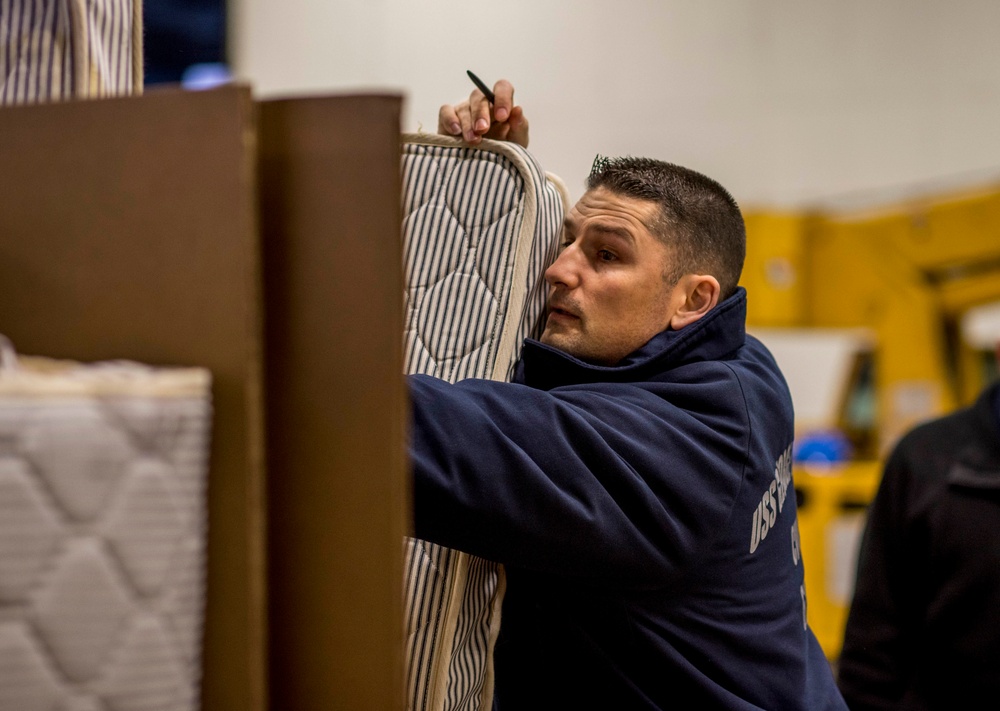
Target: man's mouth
[562, 313]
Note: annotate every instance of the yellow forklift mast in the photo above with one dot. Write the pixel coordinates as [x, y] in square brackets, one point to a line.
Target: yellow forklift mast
[883, 294]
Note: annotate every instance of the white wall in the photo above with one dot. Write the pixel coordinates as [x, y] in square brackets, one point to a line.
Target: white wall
[786, 102]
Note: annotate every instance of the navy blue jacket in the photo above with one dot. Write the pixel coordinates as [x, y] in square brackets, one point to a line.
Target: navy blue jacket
[645, 516]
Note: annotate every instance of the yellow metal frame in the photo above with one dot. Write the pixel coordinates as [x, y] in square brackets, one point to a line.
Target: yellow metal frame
[905, 273]
[831, 516]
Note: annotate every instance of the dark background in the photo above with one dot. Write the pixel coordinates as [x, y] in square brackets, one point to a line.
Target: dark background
[182, 33]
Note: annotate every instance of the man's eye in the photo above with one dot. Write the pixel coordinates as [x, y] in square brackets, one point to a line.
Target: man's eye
[606, 256]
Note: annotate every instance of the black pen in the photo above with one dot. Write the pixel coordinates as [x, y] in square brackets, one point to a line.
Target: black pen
[482, 87]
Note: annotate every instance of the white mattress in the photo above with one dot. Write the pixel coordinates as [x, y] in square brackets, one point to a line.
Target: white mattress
[102, 535]
[480, 227]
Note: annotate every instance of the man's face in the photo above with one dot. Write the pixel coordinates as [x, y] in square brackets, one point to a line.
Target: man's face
[607, 292]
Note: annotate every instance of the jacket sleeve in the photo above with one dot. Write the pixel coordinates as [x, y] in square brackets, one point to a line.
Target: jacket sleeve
[875, 664]
[591, 482]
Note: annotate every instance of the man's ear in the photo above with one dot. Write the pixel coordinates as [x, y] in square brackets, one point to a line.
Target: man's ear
[700, 294]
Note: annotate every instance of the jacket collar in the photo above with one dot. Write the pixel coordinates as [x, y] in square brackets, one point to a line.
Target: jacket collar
[978, 463]
[715, 335]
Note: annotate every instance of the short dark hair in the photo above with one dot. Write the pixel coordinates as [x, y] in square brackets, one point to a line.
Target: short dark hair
[698, 217]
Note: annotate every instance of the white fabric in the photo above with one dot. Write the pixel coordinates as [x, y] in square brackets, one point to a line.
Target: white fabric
[102, 535]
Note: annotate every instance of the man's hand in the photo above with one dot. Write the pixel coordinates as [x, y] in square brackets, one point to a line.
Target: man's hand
[473, 120]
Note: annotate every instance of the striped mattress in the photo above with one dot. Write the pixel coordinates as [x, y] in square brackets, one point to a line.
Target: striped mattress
[53, 50]
[480, 226]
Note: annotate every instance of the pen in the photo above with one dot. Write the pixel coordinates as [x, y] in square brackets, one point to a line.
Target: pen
[482, 87]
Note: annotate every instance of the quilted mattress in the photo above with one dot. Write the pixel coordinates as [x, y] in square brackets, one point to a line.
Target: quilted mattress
[480, 226]
[102, 534]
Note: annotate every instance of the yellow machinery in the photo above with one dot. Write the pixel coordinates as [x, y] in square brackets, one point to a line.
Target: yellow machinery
[898, 282]
[832, 506]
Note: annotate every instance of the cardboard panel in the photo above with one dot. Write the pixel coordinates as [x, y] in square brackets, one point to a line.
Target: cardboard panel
[337, 487]
[127, 230]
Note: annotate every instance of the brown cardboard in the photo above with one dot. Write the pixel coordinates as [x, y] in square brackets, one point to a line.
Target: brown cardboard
[128, 230]
[337, 492]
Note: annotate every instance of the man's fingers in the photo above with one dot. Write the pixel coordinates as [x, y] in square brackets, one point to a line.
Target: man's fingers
[467, 121]
[448, 121]
[518, 132]
[503, 93]
[476, 118]
[480, 112]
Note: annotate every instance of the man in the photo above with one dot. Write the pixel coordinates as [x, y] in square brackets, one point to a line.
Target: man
[922, 631]
[635, 478]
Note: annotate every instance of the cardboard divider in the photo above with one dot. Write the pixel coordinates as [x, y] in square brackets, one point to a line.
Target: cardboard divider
[129, 229]
[330, 190]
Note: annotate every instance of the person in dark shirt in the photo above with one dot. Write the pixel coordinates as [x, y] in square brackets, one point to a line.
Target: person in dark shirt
[922, 631]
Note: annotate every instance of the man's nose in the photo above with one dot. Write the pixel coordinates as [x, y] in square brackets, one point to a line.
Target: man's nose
[564, 270]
